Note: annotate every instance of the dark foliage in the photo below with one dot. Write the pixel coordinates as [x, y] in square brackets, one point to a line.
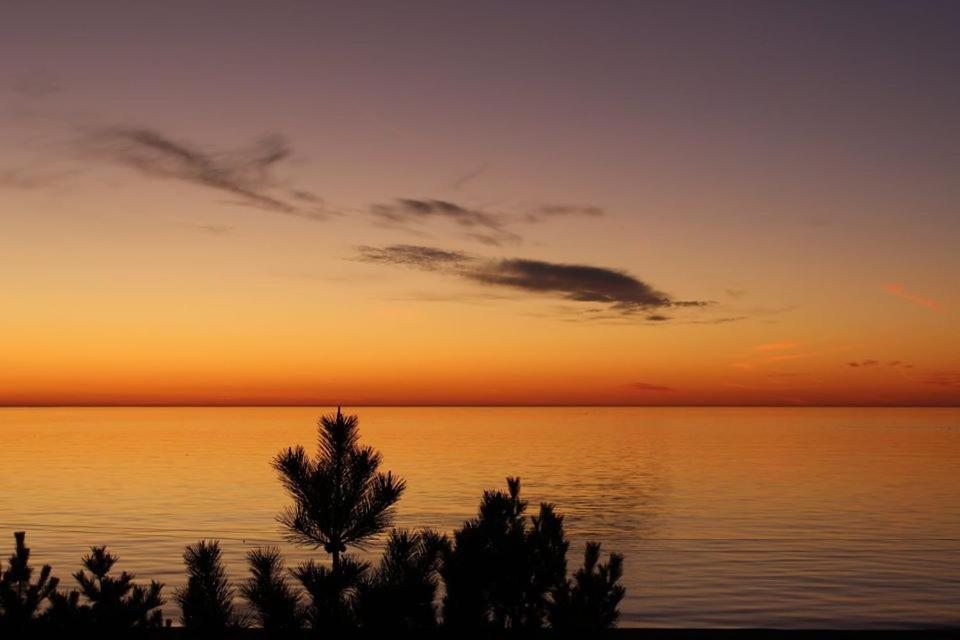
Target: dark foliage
[114, 604]
[332, 592]
[20, 598]
[276, 605]
[402, 591]
[206, 602]
[591, 602]
[340, 498]
[502, 571]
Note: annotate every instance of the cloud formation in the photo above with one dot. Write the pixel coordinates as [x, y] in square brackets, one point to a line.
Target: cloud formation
[900, 291]
[245, 173]
[404, 211]
[548, 211]
[869, 362]
[486, 227]
[408, 255]
[615, 290]
[950, 379]
[786, 345]
[646, 386]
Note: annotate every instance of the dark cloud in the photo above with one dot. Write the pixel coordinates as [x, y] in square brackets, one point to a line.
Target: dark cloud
[548, 211]
[490, 228]
[646, 386]
[875, 363]
[616, 290]
[245, 173]
[405, 211]
[426, 258]
[574, 282]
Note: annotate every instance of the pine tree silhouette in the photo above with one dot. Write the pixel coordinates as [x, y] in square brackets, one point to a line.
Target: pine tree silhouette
[116, 604]
[591, 602]
[502, 573]
[276, 605]
[340, 498]
[401, 593]
[207, 600]
[20, 598]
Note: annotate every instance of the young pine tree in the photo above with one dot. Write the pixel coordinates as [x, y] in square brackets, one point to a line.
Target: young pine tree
[276, 605]
[207, 600]
[340, 498]
[20, 598]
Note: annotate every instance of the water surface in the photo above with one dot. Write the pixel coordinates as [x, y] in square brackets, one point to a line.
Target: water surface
[727, 517]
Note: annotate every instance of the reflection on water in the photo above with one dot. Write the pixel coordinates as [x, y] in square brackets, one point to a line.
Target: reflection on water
[727, 517]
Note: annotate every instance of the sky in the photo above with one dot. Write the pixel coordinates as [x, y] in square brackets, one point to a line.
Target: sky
[669, 203]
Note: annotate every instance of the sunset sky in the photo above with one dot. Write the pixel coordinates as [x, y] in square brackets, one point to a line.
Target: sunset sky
[480, 203]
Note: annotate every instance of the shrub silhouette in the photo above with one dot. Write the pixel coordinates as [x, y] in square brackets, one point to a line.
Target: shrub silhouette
[340, 498]
[207, 600]
[21, 599]
[502, 573]
[591, 601]
[276, 605]
[331, 592]
[115, 603]
[402, 591]
[502, 569]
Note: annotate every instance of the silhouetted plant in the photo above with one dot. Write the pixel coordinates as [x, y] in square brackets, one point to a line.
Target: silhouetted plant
[206, 601]
[591, 602]
[115, 603]
[402, 591]
[20, 598]
[331, 593]
[276, 605]
[502, 573]
[340, 499]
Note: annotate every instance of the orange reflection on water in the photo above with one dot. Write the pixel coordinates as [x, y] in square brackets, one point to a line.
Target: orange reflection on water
[783, 517]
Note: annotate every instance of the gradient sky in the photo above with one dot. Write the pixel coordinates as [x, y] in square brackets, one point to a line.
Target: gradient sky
[493, 202]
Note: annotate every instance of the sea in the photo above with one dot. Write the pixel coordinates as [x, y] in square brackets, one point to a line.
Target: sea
[726, 517]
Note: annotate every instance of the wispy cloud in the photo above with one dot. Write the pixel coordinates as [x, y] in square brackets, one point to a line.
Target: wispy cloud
[246, 173]
[785, 345]
[646, 386]
[487, 227]
[36, 85]
[942, 379]
[409, 255]
[870, 362]
[469, 176]
[215, 229]
[405, 211]
[901, 292]
[547, 212]
[31, 179]
[614, 290]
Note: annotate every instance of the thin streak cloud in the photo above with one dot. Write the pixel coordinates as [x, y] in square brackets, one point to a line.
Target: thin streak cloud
[245, 173]
[900, 291]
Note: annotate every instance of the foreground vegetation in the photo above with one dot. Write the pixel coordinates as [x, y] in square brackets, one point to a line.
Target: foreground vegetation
[502, 569]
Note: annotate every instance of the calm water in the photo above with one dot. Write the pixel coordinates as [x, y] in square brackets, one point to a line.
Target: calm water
[727, 517]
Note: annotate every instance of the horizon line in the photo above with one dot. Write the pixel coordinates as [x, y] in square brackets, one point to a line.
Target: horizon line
[268, 405]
